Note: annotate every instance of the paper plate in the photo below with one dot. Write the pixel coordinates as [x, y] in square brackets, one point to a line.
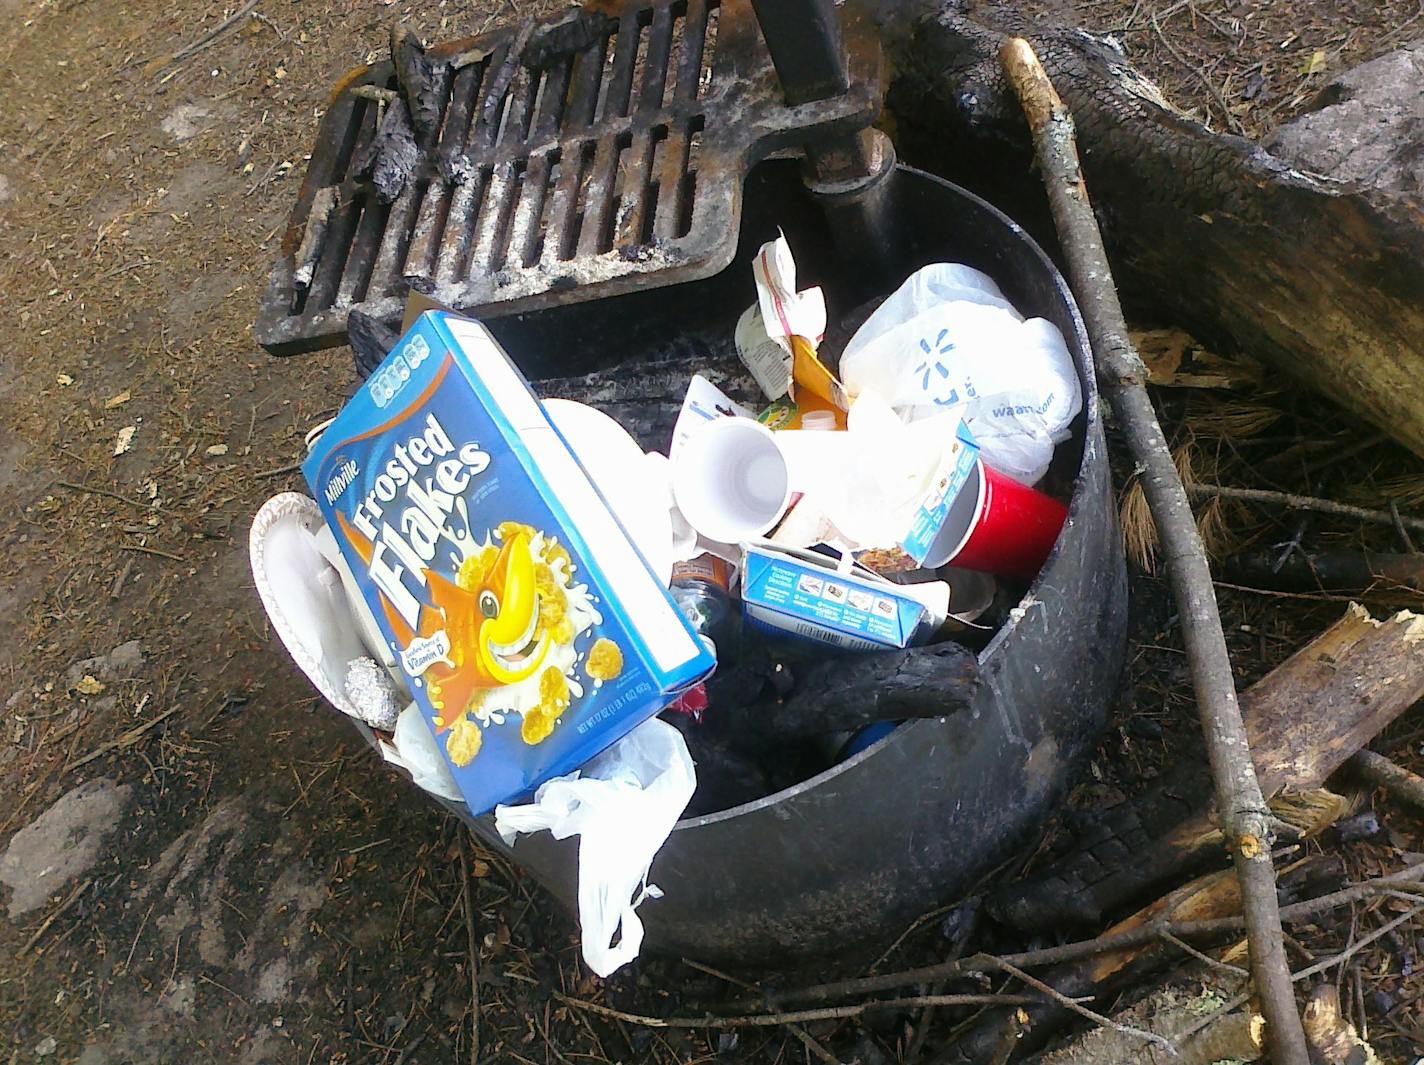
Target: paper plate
[303, 594]
[617, 466]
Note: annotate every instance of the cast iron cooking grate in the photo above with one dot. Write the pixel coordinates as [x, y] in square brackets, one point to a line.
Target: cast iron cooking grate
[612, 164]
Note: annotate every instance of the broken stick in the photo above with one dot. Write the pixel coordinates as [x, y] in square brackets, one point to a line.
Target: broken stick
[1241, 806]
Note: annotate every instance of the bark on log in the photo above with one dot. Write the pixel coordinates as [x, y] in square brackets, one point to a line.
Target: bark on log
[1208, 231]
[371, 341]
[391, 157]
[421, 81]
[1304, 720]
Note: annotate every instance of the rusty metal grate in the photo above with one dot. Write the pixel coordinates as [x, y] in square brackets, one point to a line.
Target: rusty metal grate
[593, 170]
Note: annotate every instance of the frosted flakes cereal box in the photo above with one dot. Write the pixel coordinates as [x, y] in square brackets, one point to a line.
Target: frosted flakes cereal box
[532, 632]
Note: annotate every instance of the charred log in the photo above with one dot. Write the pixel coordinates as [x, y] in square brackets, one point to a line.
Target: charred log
[421, 81]
[371, 341]
[847, 692]
[1249, 253]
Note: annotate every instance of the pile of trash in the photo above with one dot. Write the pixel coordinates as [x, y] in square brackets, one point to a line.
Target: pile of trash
[537, 618]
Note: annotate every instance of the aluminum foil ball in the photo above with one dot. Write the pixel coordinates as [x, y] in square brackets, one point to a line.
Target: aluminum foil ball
[371, 693]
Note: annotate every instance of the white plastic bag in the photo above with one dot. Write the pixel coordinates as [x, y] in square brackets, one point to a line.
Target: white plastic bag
[413, 748]
[949, 338]
[623, 804]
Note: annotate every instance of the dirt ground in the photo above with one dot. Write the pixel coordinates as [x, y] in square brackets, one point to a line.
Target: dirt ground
[261, 897]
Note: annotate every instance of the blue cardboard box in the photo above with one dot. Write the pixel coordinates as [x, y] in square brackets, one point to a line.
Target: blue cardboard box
[531, 632]
[804, 594]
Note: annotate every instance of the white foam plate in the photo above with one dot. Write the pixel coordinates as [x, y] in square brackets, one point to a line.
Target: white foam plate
[617, 466]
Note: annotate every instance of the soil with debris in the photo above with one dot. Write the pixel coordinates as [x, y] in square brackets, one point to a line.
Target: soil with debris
[204, 862]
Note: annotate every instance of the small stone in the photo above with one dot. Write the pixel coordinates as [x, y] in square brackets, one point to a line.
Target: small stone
[185, 121]
[126, 660]
[63, 843]
[45, 1047]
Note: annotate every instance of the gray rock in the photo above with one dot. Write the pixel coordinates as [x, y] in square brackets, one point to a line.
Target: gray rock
[1366, 127]
[63, 843]
[125, 660]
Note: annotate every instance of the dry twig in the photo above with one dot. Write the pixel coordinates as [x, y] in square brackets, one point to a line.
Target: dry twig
[468, 902]
[127, 739]
[58, 912]
[810, 1042]
[1242, 808]
[190, 50]
[1311, 970]
[1083, 1011]
[1295, 502]
[828, 1013]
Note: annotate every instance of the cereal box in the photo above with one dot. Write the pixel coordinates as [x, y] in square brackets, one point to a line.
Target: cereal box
[531, 631]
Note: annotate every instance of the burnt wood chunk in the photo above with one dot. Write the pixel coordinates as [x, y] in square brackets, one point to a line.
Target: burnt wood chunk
[371, 341]
[389, 161]
[846, 692]
[421, 81]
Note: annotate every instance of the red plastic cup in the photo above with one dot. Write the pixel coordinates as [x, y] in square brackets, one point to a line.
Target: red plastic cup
[998, 525]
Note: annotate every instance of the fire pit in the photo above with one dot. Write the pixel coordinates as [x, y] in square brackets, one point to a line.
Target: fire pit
[853, 854]
[561, 198]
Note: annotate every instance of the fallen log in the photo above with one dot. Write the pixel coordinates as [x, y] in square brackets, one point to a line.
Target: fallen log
[1304, 720]
[1248, 252]
[1326, 571]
